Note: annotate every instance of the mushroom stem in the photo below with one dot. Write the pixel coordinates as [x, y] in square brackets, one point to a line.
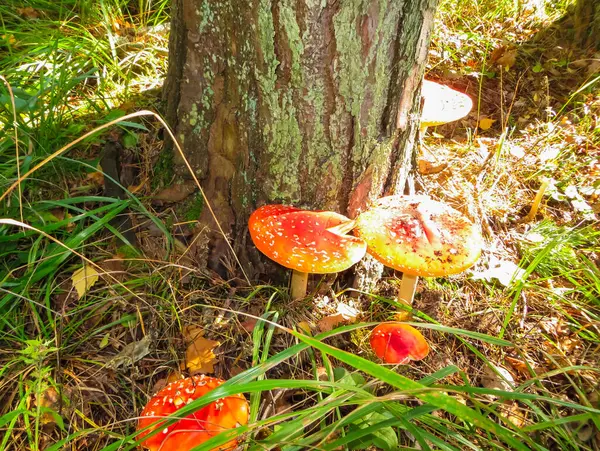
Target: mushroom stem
[536, 201]
[298, 285]
[407, 290]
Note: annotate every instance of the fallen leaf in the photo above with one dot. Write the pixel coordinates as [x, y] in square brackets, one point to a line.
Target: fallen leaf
[497, 53]
[199, 355]
[508, 59]
[513, 413]
[96, 178]
[163, 382]
[322, 374]
[83, 279]
[519, 365]
[427, 167]
[134, 189]
[49, 400]
[177, 192]
[131, 353]
[28, 13]
[555, 327]
[304, 327]
[249, 324]
[345, 314]
[485, 123]
[329, 322]
[105, 340]
[497, 378]
[504, 271]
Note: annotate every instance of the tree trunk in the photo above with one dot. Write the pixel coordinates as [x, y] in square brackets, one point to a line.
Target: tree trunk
[312, 103]
[587, 24]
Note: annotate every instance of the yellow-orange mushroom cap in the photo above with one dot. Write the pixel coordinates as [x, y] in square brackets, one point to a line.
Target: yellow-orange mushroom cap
[442, 104]
[419, 236]
[300, 239]
[196, 428]
[398, 343]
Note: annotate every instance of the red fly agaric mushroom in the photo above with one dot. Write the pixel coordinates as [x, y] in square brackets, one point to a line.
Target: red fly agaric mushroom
[196, 428]
[305, 241]
[420, 237]
[442, 104]
[398, 343]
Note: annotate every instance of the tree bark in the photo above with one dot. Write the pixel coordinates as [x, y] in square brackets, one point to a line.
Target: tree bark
[587, 24]
[311, 102]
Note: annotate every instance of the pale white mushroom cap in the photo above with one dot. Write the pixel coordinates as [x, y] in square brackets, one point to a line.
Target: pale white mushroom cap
[443, 104]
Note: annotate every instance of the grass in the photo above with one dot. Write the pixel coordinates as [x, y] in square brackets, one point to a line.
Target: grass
[67, 378]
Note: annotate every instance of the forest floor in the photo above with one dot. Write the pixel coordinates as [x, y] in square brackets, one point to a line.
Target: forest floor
[89, 329]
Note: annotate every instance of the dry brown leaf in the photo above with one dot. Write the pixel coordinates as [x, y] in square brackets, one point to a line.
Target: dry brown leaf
[134, 189]
[115, 267]
[345, 314]
[555, 327]
[504, 56]
[508, 59]
[497, 53]
[322, 374]
[131, 353]
[28, 13]
[514, 414]
[49, 399]
[519, 365]
[163, 382]
[329, 322]
[96, 178]
[177, 192]
[199, 355]
[249, 324]
[427, 167]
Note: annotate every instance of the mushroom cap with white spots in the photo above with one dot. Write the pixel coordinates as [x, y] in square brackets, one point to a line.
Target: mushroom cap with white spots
[196, 428]
[300, 239]
[419, 236]
[398, 343]
[442, 104]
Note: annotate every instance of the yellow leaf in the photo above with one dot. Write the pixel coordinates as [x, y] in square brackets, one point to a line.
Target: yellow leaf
[485, 123]
[304, 327]
[199, 356]
[50, 401]
[83, 279]
[9, 38]
[96, 178]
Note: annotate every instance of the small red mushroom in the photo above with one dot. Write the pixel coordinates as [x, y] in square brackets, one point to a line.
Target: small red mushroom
[305, 241]
[196, 428]
[398, 343]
